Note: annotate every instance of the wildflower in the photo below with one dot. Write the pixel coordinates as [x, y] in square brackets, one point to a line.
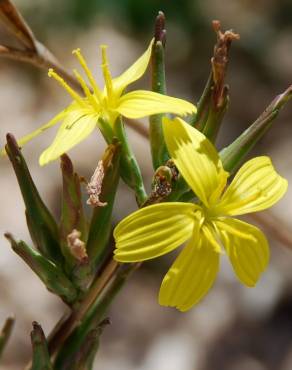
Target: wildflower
[100, 108]
[207, 226]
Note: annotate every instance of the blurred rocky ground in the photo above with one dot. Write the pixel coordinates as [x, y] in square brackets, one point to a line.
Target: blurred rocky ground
[234, 328]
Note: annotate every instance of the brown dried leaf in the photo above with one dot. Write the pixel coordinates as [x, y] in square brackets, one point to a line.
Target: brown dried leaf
[95, 185]
[15, 24]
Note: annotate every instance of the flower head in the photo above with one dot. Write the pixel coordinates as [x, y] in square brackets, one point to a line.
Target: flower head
[207, 227]
[101, 107]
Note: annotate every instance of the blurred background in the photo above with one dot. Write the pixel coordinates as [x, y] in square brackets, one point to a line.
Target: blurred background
[234, 328]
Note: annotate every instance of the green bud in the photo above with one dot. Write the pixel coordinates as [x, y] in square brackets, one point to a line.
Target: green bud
[41, 224]
[50, 273]
[40, 354]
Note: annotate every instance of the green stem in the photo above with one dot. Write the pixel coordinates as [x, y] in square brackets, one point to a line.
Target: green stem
[130, 171]
[158, 147]
[94, 316]
[68, 324]
[100, 224]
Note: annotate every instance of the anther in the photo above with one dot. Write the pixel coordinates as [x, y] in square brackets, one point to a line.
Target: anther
[95, 87]
[86, 90]
[106, 72]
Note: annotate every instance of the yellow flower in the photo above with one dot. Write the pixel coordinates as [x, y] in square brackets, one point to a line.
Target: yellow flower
[208, 226]
[102, 107]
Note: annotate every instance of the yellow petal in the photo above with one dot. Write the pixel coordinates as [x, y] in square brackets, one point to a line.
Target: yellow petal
[75, 128]
[196, 158]
[191, 276]
[21, 142]
[255, 187]
[153, 231]
[247, 248]
[133, 73]
[142, 103]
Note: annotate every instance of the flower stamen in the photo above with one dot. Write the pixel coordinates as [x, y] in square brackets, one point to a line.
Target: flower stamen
[106, 72]
[86, 90]
[69, 89]
[88, 73]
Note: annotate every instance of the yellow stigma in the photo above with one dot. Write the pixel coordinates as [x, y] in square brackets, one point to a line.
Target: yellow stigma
[88, 73]
[62, 82]
[106, 72]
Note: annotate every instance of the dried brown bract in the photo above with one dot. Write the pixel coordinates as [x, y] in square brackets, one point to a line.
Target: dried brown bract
[94, 187]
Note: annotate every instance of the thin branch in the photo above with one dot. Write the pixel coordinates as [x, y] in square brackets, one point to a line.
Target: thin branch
[138, 127]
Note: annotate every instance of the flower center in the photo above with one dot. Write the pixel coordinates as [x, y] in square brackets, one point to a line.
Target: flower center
[209, 213]
[206, 227]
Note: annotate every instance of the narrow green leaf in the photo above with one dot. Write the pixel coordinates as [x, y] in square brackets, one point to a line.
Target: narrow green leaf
[50, 273]
[42, 226]
[5, 333]
[40, 354]
[158, 146]
[233, 155]
[100, 226]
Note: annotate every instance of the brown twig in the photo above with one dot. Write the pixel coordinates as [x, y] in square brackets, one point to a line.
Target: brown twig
[137, 126]
[219, 61]
[16, 25]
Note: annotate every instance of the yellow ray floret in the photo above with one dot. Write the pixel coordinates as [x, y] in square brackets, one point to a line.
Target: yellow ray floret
[103, 106]
[156, 230]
